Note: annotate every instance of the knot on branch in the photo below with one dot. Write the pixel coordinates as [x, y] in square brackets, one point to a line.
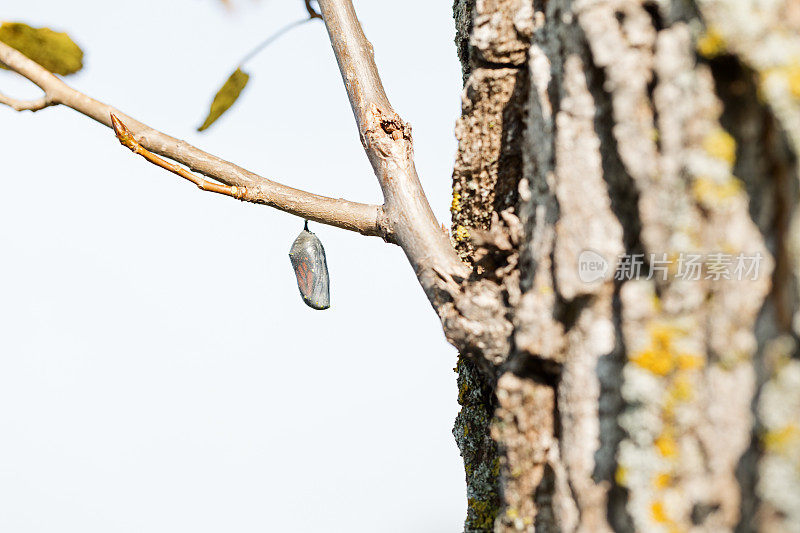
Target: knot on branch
[386, 133]
[396, 128]
[384, 226]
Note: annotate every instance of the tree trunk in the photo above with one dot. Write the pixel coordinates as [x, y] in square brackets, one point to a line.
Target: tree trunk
[608, 134]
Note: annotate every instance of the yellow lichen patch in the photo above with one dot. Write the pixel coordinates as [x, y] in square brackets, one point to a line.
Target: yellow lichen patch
[463, 390]
[621, 475]
[681, 389]
[657, 361]
[793, 77]
[654, 135]
[721, 145]
[711, 43]
[456, 204]
[782, 440]
[658, 358]
[710, 192]
[512, 513]
[461, 233]
[482, 513]
[496, 467]
[787, 75]
[690, 362]
[662, 480]
[666, 445]
[671, 355]
[658, 512]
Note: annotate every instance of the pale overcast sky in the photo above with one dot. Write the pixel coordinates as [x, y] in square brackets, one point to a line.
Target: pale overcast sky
[158, 369]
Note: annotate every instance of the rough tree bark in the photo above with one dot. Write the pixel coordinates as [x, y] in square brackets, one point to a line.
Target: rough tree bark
[630, 127]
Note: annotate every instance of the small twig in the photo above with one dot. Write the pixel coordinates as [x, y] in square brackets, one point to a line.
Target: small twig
[272, 38]
[312, 13]
[26, 105]
[126, 139]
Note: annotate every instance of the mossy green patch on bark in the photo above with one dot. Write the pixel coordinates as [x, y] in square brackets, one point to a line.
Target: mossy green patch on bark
[479, 451]
[462, 13]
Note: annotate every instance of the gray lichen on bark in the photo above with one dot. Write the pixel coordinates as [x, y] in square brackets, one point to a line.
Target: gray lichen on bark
[662, 128]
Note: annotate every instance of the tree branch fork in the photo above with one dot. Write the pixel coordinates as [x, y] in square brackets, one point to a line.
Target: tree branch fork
[405, 218]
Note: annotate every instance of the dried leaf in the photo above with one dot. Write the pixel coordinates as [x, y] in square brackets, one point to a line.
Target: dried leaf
[226, 97]
[53, 50]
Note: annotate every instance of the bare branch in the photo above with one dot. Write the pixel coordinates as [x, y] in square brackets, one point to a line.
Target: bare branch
[26, 105]
[362, 218]
[387, 142]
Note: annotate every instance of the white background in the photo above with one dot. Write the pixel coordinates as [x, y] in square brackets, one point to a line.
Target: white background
[158, 370]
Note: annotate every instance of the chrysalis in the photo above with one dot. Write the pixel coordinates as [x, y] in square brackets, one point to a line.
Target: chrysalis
[308, 259]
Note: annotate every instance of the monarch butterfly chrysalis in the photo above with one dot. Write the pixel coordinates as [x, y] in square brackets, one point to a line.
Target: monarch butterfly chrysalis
[308, 259]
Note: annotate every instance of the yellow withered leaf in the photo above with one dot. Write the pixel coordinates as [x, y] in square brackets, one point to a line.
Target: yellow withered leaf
[226, 97]
[53, 50]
